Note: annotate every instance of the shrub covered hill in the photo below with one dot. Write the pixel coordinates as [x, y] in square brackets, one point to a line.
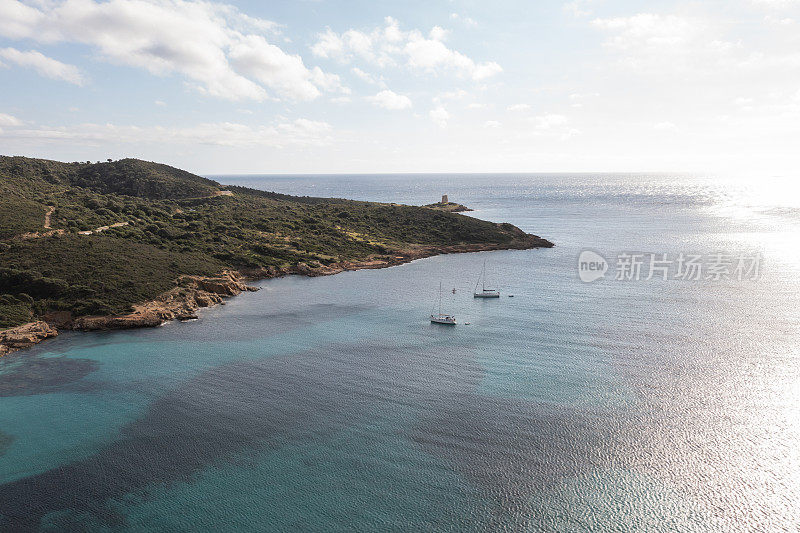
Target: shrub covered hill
[94, 239]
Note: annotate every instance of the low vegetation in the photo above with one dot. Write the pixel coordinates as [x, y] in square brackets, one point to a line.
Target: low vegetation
[176, 224]
[450, 207]
[88, 275]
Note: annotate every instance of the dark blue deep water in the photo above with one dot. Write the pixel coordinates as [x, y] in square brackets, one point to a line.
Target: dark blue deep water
[332, 404]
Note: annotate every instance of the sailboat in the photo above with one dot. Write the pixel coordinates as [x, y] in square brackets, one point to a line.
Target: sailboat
[447, 320]
[484, 292]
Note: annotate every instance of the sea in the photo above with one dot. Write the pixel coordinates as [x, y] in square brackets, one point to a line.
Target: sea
[645, 376]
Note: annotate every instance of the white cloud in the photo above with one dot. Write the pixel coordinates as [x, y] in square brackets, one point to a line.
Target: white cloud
[486, 70]
[374, 47]
[583, 96]
[160, 103]
[328, 82]
[775, 4]
[549, 121]
[390, 100]
[301, 132]
[387, 45]
[491, 124]
[430, 54]
[569, 134]
[577, 8]
[16, 19]
[552, 125]
[693, 48]
[43, 65]
[285, 74]
[328, 45]
[440, 116]
[577, 99]
[467, 21]
[458, 94]
[647, 30]
[8, 120]
[671, 45]
[518, 107]
[665, 126]
[698, 50]
[303, 128]
[364, 76]
[438, 33]
[219, 49]
[779, 21]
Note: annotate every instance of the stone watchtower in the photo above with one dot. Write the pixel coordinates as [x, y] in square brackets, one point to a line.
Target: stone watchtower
[444, 199]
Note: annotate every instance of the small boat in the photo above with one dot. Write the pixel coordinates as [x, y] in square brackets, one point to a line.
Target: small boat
[484, 292]
[441, 318]
[444, 319]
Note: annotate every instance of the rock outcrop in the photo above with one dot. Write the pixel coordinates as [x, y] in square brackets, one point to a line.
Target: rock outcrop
[180, 303]
[25, 336]
[450, 207]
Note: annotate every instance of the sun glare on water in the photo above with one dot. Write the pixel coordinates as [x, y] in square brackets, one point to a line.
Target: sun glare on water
[769, 208]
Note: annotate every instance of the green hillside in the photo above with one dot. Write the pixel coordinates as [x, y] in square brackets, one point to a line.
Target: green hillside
[130, 177]
[170, 222]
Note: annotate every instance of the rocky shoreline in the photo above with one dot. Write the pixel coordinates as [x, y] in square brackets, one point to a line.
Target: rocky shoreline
[195, 292]
[25, 336]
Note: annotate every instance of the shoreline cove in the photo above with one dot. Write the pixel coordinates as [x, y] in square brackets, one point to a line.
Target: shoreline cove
[196, 292]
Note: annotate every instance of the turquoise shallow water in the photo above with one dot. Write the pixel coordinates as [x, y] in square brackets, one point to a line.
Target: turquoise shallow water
[331, 404]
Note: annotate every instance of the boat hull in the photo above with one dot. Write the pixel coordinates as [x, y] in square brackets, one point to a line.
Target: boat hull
[446, 321]
[484, 295]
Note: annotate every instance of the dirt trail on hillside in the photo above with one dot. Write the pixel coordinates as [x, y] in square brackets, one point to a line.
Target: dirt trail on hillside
[50, 210]
[47, 226]
[103, 228]
[215, 194]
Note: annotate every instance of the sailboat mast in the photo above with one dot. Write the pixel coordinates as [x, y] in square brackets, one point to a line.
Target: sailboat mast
[440, 298]
[483, 275]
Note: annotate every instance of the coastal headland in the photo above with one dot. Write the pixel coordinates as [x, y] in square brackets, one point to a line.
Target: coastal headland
[129, 243]
[450, 207]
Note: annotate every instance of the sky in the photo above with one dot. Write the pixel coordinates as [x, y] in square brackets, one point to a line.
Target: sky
[323, 86]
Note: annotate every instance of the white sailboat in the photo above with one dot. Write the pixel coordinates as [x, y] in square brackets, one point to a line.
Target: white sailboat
[484, 292]
[448, 320]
